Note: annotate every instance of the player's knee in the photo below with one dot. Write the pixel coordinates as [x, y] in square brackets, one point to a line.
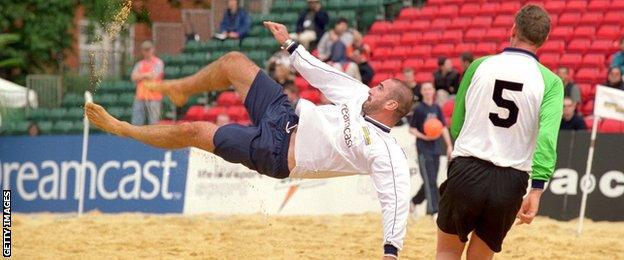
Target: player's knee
[233, 57]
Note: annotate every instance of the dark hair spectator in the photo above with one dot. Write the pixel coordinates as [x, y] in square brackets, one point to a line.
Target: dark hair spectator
[614, 78]
[235, 24]
[360, 53]
[466, 58]
[311, 24]
[446, 77]
[410, 81]
[33, 129]
[571, 120]
[571, 90]
[340, 32]
[618, 57]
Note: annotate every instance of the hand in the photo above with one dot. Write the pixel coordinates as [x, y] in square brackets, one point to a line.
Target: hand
[529, 208]
[279, 31]
[449, 150]
[426, 138]
[233, 35]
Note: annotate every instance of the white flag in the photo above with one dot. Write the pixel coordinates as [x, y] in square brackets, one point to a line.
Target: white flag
[609, 103]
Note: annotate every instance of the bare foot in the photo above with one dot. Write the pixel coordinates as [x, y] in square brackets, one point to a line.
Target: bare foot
[102, 119]
[168, 88]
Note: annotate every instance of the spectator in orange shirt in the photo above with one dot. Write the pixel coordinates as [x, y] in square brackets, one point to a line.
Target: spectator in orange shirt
[147, 103]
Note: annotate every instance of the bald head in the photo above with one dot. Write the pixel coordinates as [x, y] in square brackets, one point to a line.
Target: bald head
[402, 94]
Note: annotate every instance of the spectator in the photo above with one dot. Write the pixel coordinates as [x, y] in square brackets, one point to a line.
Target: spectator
[466, 58]
[222, 119]
[340, 32]
[571, 120]
[571, 90]
[360, 53]
[429, 149]
[311, 23]
[614, 79]
[338, 59]
[33, 129]
[189, 29]
[410, 81]
[282, 74]
[235, 24]
[618, 57]
[446, 77]
[292, 92]
[146, 102]
[280, 57]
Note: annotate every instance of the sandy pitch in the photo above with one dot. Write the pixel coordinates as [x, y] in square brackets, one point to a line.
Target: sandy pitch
[131, 236]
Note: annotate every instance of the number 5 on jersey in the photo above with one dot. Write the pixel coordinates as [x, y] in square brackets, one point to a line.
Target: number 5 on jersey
[499, 86]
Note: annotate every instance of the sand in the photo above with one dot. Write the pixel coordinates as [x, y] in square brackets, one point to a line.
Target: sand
[131, 236]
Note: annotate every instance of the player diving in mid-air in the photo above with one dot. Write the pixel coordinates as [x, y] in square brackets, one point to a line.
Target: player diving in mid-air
[307, 141]
[506, 121]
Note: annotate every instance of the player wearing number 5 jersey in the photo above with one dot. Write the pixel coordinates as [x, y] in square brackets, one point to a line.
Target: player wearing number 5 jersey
[506, 121]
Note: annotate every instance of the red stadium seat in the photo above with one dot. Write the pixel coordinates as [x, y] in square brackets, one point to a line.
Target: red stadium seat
[474, 35]
[550, 60]
[613, 17]
[489, 9]
[228, 98]
[496, 34]
[390, 66]
[459, 23]
[485, 48]
[428, 12]
[236, 113]
[431, 37]
[448, 11]
[610, 32]
[587, 32]
[381, 53]
[440, 23]
[302, 84]
[212, 113]
[409, 13]
[598, 5]
[553, 46]
[570, 60]
[371, 40]
[411, 38]
[378, 78]
[424, 77]
[481, 22]
[555, 7]
[588, 108]
[195, 113]
[594, 60]
[578, 46]
[554, 18]
[463, 47]
[593, 19]
[617, 5]
[603, 46]
[400, 52]
[587, 75]
[444, 49]
[504, 21]
[509, 7]
[569, 19]
[447, 109]
[576, 6]
[562, 33]
[430, 64]
[313, 96]
[452, 36]
[419, 25]
[389, 40]
[399, 26]
[610, 126]
[589, 122]
[420, 52]
[380, 27]
[415, 64]
[469, 10]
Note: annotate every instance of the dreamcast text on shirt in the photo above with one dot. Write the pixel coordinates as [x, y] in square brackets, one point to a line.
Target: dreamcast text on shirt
[6, 223]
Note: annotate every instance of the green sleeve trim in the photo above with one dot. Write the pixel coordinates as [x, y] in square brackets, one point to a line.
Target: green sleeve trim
[551, 110]
[459, 112]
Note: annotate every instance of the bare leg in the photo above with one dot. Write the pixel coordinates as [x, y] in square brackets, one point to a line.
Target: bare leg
[449, 246]
[196, 134]
[478, 249]
[232, 69]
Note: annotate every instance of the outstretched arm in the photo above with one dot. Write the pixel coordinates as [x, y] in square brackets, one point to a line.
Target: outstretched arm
[337, 86]
[196, 134]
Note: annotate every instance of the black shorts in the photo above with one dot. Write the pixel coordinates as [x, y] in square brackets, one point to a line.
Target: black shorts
[262, 147]
[480, 196]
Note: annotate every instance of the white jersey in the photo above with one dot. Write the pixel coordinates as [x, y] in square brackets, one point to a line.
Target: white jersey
[508, 111]
[336, 140]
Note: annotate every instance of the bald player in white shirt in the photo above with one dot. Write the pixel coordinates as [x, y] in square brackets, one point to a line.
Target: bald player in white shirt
[350, 137]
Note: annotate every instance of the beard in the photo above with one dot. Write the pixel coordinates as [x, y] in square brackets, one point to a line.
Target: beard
[369, 106]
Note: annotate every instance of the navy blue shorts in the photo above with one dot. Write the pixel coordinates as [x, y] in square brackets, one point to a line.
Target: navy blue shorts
[262, 147]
